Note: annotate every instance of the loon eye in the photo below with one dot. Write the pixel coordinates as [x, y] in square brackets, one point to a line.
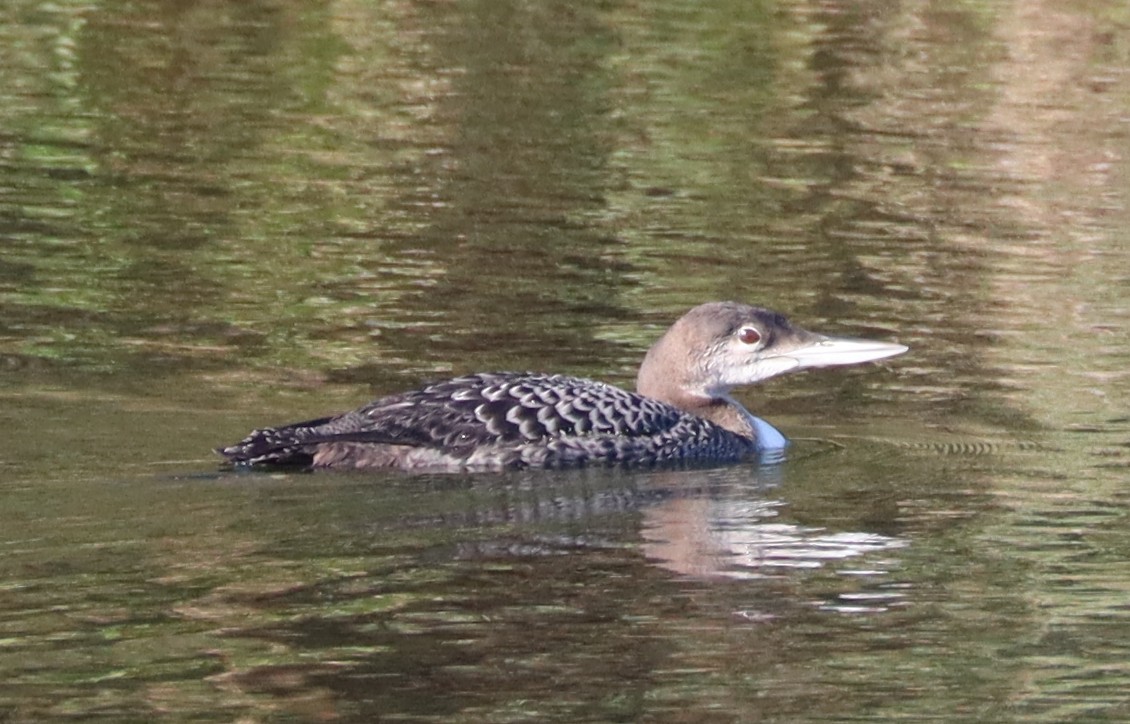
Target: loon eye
[749, 335]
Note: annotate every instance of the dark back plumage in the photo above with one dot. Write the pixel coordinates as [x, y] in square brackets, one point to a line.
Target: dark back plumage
[499, 420]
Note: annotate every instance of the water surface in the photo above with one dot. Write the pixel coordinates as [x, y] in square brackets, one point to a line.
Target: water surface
[216, 216]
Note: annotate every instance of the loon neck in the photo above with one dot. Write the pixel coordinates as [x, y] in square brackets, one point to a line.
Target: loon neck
[676, 370]
[722, 411]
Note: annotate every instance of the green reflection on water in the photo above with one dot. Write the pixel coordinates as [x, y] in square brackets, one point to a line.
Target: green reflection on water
[221, 215]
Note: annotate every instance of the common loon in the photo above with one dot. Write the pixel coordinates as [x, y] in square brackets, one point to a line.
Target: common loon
[681, 412]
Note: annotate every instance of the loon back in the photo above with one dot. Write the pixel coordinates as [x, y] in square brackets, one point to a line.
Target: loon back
[494, 421]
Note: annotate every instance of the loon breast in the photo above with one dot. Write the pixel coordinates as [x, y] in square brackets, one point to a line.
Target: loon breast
[682, 410]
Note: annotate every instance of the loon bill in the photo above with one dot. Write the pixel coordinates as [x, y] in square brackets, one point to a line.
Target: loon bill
[681, 412]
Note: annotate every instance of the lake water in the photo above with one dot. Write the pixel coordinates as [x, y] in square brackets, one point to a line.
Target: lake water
[220, 215]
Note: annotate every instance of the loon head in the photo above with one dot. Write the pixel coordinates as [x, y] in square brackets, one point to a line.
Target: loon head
[718, 346]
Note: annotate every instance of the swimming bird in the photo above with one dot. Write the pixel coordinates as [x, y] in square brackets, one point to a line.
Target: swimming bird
[682, 411]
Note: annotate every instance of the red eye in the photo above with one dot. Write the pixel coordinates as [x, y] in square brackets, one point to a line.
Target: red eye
[749, 335]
